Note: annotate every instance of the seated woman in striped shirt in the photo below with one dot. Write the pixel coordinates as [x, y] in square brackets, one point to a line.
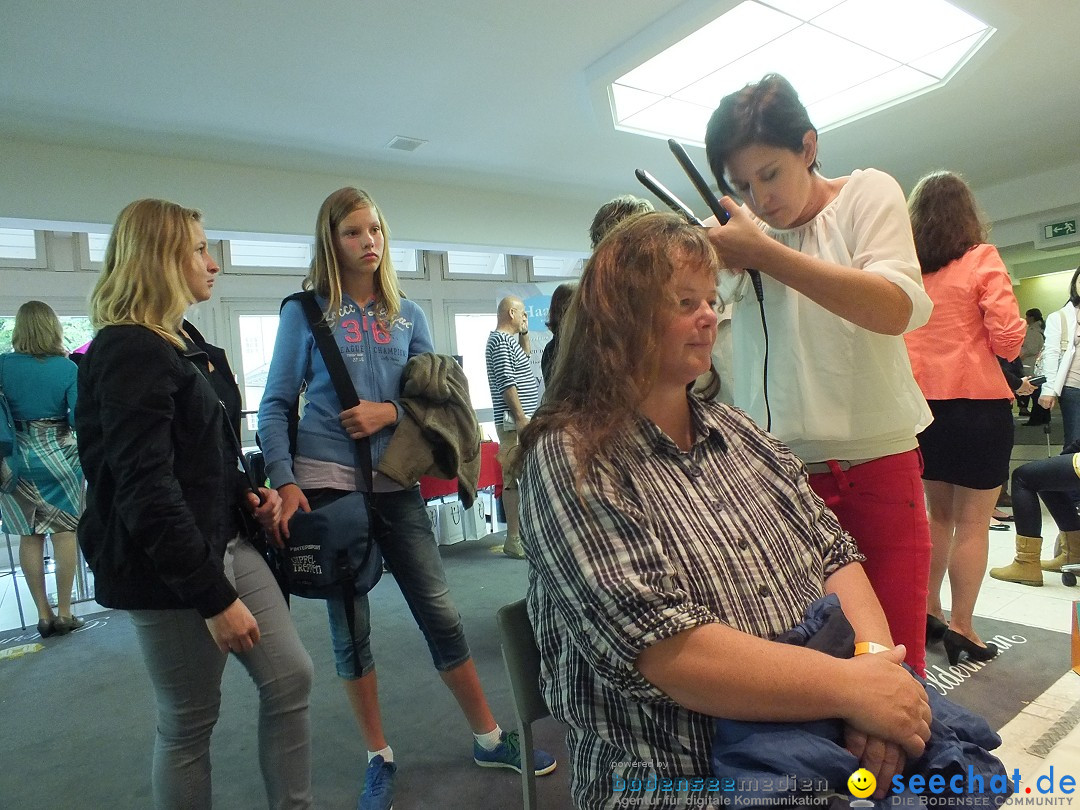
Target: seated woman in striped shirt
[670, 539]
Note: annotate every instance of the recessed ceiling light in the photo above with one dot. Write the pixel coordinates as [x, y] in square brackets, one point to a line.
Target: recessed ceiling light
[846, 58]
[405, 144]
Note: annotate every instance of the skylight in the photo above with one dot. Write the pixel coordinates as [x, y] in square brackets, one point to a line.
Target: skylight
[846, 59]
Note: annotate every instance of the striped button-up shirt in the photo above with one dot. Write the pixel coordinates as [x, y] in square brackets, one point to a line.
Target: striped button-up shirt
[656, 541]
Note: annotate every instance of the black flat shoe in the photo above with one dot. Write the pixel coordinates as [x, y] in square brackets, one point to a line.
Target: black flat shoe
[956, 644]
[62, 625]
[935, 628]
[46, 628]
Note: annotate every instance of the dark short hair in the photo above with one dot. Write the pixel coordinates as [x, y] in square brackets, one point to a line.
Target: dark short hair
[1073, 296]
[560, 300]
[613, 212]
[1035, 313]
[767, 112]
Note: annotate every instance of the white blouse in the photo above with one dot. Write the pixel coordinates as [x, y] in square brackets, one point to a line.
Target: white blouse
[836, 390]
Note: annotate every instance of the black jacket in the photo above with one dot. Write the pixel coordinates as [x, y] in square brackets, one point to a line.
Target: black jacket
[162, 480]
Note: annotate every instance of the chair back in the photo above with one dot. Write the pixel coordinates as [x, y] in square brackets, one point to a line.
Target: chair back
[523, 667]
[522, 661]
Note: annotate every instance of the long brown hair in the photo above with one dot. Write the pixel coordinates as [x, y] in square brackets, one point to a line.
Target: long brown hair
[944, 219]
[325, 274]
[609, 346]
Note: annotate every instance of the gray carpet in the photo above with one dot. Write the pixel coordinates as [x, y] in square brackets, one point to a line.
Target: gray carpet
[1029, 662]
[77, 717]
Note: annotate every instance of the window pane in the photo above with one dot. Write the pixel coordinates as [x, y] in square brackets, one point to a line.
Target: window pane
[470, 335]
[404, 260]
[96, 244]
[16, 243]
[556, 267]
[475, 264]
[247, 253]
[7, 323]
[77, 331]
[257, 335]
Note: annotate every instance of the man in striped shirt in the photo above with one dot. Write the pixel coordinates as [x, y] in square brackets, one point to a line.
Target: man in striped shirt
[515, 395]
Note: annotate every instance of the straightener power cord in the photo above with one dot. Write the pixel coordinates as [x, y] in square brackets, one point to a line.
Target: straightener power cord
[722, 216]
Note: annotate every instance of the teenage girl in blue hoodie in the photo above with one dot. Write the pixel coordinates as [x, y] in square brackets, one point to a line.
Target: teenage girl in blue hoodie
[376, 331]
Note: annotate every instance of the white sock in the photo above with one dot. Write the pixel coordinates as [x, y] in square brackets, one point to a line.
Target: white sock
[387, 754]
[491, 740]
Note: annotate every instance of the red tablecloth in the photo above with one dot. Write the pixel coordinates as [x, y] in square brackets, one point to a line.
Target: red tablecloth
[490, 476]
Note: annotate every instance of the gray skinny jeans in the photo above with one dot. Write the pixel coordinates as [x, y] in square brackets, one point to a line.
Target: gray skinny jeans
[185, 667]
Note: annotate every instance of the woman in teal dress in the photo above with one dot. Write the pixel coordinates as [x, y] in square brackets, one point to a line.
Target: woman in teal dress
[39, 382]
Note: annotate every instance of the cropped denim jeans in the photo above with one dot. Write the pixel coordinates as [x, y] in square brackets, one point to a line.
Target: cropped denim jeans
[403, 532]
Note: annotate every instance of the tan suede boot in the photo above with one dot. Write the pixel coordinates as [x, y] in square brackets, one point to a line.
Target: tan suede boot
[1025, 568]
[1068, 552]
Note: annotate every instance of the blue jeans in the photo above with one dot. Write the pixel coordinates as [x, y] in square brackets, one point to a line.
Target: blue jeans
[1069, 401]
[1052, 479]
[403, 532]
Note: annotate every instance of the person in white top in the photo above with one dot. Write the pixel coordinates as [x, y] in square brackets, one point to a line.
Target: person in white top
[1061, 362]
[841, 283]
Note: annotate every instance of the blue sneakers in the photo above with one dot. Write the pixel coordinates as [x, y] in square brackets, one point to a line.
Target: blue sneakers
[507, 754]
[378, 785]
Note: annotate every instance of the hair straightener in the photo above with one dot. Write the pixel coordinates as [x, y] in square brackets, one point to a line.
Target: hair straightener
[722, 216]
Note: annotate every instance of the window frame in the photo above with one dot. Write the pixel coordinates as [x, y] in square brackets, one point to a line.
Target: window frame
[41, 257]
[579, 258]
[421, 272]
[442, 258]
[461, 306]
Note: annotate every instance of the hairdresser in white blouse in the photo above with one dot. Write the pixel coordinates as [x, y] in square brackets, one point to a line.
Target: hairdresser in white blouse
[841, 283]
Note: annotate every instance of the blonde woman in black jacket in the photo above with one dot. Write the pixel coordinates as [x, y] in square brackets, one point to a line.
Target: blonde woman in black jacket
[162, 529]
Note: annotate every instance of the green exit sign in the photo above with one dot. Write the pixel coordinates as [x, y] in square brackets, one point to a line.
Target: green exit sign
[1056, 229]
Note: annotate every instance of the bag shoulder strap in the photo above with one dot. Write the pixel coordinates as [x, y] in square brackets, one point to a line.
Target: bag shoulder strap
[1064, 330]
[339, 375]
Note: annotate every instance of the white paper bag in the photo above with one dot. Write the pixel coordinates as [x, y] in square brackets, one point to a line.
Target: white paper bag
[475, 521]
[451, 517]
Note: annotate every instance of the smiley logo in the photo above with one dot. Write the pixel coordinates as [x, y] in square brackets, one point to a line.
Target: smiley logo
[861, 783]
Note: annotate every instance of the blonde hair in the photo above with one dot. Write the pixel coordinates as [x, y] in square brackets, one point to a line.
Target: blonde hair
[325, 274]
[37, 331]
[143, 281]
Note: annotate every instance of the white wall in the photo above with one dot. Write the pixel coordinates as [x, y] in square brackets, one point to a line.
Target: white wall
[70, 184]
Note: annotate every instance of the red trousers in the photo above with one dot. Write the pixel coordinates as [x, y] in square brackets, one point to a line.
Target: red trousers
[880, 503]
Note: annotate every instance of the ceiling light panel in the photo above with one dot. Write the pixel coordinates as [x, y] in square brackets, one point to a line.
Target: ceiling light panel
[846, 58]
[866, 98]
[904, 31]
[839, 64]
[745, 28]
[803, 9]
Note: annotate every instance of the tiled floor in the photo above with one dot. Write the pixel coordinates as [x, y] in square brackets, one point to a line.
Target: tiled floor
[1031, 742]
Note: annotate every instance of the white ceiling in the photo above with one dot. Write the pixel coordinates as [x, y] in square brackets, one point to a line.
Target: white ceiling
[507, 94]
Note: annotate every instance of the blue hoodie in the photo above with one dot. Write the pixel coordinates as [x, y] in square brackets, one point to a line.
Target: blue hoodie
[375, 360]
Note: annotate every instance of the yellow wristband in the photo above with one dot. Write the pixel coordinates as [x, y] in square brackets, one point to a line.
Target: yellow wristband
[864, 647]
